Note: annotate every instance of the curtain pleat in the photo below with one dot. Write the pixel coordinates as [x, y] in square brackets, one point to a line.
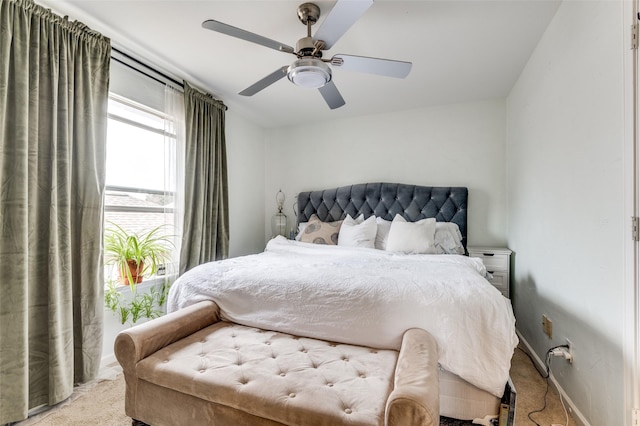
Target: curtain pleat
[206, 217]
[54, 77]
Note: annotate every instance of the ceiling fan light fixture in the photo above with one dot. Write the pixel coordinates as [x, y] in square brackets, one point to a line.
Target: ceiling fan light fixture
[309, 72]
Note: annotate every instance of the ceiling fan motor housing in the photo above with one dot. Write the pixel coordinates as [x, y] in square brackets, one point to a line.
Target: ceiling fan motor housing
[307, 47]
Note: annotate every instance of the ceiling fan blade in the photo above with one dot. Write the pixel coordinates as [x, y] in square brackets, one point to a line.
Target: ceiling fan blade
[265, 82]
[245, 35]
[386, 67]
[343, 15]
[331, 95]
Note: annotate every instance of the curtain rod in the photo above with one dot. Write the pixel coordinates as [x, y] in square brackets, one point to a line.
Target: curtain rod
[173, 80]
[160, 73]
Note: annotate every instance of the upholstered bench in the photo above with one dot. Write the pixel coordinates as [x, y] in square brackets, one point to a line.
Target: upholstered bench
[191, 368]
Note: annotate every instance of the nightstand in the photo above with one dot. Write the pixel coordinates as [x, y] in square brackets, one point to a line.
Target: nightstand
[497, 260]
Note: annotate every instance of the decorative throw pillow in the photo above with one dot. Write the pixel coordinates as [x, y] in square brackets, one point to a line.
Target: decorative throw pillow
[319, 232]
[412, 237]
[355, 234]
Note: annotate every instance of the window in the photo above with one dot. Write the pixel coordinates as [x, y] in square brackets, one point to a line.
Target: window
[140, 173]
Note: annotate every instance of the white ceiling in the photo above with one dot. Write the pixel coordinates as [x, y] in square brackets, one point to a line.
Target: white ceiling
[461, 50]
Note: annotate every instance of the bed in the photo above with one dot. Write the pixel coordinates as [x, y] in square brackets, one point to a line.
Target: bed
[363, 294]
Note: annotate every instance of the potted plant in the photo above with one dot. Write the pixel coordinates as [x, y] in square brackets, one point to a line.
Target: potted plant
[136, 306]
[136, 254]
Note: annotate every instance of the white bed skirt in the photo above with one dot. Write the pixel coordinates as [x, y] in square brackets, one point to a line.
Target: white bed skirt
[461, 400]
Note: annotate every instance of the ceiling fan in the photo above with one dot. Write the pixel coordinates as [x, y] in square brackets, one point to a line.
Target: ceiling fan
[311, 69]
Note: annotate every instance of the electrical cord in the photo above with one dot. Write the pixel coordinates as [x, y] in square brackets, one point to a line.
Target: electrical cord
[546, 377]
[546, 391]
[564, 408]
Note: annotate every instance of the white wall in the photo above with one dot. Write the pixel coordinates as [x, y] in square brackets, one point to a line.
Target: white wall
[565, 201]
[246, 170]
[453, 145]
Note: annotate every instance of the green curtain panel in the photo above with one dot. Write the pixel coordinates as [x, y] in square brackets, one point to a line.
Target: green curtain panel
[206, 210]
[54, 78]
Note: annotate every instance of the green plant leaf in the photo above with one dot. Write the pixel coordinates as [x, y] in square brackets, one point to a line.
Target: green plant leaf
[145, 305]
[151, 248]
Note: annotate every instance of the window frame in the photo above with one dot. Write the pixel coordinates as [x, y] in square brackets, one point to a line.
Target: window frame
[168, 121]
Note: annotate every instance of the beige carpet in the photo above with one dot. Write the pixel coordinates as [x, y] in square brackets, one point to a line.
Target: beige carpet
[102, 402]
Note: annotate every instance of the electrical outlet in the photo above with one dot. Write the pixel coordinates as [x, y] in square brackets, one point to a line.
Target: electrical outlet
[570, 350]
[547, 326]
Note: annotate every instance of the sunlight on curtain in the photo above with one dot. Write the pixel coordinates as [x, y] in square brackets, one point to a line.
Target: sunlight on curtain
[206, 217]
[174, 164]
[54, 77]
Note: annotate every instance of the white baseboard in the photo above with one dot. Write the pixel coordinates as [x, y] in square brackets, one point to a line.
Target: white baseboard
[107, 360]
[571, 407]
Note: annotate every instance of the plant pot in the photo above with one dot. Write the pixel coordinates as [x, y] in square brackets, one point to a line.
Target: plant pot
[136, 272]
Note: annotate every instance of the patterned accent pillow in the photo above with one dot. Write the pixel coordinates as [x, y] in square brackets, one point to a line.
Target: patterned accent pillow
[319, 232]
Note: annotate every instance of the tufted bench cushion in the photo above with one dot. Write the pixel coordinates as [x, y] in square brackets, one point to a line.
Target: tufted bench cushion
[275, 375]
[247, 374]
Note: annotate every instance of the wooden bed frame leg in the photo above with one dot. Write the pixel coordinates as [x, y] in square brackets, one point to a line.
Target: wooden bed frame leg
[135, 422]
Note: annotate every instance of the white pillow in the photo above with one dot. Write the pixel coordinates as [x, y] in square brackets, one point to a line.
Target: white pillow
[412, 237]
[358, 219]
[382, 233]
[301, 227]
[448, 238]
[354, 234]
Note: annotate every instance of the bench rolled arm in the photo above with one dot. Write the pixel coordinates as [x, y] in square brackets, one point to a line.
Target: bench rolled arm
[137, 343]
[415, 399]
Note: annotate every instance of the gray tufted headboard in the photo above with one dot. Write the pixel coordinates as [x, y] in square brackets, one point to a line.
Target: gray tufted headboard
[385, 200]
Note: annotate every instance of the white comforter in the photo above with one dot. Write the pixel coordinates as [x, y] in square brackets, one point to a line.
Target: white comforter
[365, 297]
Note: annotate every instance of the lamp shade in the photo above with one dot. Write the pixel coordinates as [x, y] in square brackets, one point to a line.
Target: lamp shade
[310, 73]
